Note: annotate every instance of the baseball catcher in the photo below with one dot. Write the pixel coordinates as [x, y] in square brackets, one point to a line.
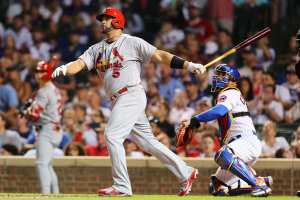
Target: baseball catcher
[241, 147]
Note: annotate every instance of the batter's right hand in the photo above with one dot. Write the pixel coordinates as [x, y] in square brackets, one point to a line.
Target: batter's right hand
[59, 70]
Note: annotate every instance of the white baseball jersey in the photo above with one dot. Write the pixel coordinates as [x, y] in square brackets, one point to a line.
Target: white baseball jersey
[119, 63]
[47, 104]
[233, 100]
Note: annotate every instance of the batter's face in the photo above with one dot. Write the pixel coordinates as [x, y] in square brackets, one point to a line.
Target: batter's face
[106, 24]
[38, 77]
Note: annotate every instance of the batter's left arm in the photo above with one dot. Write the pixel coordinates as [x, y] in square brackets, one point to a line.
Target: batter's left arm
[173, 61]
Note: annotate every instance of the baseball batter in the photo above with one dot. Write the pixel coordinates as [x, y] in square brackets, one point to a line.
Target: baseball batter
[241, 146]
[118, 60]
[45, 113]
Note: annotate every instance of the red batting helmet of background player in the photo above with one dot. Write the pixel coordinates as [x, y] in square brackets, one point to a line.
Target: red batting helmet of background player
[119, 19]
[45, 68]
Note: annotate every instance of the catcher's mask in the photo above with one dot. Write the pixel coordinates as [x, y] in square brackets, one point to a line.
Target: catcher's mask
[46, 69]
[223, 75]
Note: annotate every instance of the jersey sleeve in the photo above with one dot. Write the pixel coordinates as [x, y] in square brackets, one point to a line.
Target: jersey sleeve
[228, 98]
[145, 50]
[89, 57]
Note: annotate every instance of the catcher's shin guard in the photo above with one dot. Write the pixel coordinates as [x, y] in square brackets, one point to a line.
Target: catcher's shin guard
[226, 160]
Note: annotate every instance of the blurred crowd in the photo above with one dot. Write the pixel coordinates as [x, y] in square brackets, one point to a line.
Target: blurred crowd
[197, 30]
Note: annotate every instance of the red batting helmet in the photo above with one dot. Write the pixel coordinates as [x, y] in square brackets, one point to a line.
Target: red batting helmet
[119, 19]
[45, 68]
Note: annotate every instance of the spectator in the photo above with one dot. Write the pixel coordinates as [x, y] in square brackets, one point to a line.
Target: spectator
[246, 89]
[180, 111]
[41, 48]
[81, 94]
[168, 86]
[296, 136]
[9, 136]
[192, 92]
[271, 143]
[257, 80]
[134, 21]
[221, 12]
[149, 75]
[8, 99]
[296, 149]
[207, 146]
[283, 153]
[132, 150]
[25, 130]
[87, 135]
[9, 150]
[204, 104]
[225, 43]
[282, 94]
[250, 61]
[22, 88]
[168, 37]
[293, 83]
[163, 115]
[265, 54]
[158, 133]
[73, 49]
[198, 25]
[95, 104]
[69, 127]
[51, 10]
[21, 34]
[74, 149]
[267, 108]
[100, 149]
[193, 149]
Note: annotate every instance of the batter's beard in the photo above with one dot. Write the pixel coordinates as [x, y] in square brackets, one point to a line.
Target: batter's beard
[105, 31]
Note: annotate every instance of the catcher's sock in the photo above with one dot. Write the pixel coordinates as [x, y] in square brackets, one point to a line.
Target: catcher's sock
[226, 160]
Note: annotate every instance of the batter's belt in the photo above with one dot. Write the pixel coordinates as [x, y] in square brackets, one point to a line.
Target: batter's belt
[123, 91]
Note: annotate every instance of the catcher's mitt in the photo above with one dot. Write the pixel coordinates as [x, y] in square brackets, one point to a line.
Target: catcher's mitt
[184, 135]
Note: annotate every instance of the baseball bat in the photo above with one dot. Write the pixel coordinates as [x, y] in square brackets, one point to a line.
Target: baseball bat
[241, 45]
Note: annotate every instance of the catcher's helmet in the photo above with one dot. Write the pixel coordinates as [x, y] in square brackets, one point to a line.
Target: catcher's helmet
[119, 19]
[223, 75]
[45, 68]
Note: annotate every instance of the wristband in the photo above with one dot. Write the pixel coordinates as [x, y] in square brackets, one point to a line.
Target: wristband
[177, 63]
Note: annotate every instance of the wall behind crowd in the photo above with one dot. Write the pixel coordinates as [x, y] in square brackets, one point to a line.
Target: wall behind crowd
[197, 30]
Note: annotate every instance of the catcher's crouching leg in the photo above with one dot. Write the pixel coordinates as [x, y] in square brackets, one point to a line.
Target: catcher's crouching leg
[226, 159]
[218, 188]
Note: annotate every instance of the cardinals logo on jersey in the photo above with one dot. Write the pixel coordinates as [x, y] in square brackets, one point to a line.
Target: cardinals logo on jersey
[103, 64]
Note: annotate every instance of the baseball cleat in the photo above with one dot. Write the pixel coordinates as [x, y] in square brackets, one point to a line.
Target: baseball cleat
[111, 191]
[186, 186]
[261, 191]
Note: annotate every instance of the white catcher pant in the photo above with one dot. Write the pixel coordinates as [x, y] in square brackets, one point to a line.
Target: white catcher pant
[248, 149]
[128, 118]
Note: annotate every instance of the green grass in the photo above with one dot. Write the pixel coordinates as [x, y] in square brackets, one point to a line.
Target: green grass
[19, 196]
